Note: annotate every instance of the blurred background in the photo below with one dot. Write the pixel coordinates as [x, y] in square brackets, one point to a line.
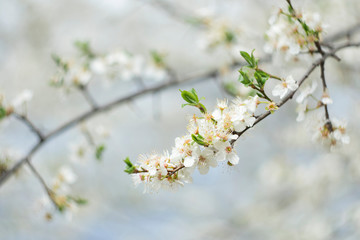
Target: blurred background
[285, 187]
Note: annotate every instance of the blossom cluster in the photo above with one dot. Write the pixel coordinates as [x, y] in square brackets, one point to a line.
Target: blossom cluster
[58, 195]
[119, 64]
[328, 131]
[209, 141]
[292, 32]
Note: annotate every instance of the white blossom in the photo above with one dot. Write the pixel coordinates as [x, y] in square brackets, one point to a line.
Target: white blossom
[287, 85]
[206, 160]
[305, 92]
[225, 152]
[340, 131]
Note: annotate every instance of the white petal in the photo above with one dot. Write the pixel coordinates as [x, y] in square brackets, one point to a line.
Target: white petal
[203, 169]
[189, 161]
[220, 156]
[278, 90]
[233, 158]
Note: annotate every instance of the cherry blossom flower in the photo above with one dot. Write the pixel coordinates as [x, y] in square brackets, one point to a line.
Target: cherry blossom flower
[226, 152]
[305, 92]
[287, 85]
[206, 160]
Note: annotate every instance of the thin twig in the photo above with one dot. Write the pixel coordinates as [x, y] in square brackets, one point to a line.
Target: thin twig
[49, 192]
[32, 127]
[316, 64]
[323, 81]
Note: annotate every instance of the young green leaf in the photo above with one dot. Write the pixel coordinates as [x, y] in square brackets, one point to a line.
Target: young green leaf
[99, 151]
[80, 201]
[244, 78]
[189, 97]
[84, 48]
[199, 140]
[247, 58]
[2, 112]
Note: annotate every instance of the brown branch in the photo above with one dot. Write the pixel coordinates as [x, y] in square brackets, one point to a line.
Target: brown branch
[323, 81]
[49, 192]
[178, 168]
[104, 108]
[316, 64]
[30, 124]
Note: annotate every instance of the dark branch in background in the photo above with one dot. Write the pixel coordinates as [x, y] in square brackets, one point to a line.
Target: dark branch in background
[323, 81]
[99, 109]
[31, 126]
[173, 81]
[84, 90]
[49, 192]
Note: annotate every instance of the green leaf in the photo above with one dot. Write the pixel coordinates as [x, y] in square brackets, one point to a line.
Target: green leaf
[254, 60]
[80, 201]
[195, 94]
[59, 62]
[84, 48]
[99, 151]
[61, 208]
[247, 57]
[128, 162]
[199, 140]
[189, 97]
[2, 112]
[259, 80]
[130, 168]
[251, 60]
[244, 78]
[229, 36]
[158, 58]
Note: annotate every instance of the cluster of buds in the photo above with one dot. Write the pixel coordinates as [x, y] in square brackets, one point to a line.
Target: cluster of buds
[331, 133]
[291, 32]
[120, 65]
[58, 198]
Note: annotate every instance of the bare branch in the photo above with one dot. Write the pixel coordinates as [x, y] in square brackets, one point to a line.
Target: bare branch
[49, 192]
[32, 127]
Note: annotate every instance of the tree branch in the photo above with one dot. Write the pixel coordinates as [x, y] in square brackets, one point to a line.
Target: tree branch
[315, 64]
[98, 110]
[28, 123]
[49, 192]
